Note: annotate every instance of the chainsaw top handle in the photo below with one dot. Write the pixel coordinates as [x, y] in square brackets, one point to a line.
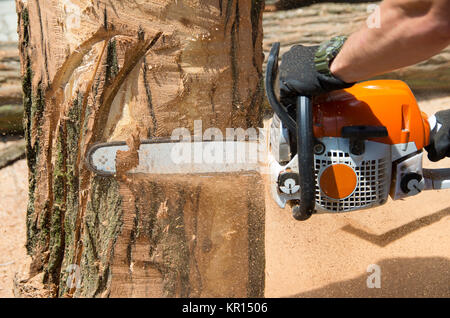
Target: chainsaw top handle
[302, 128]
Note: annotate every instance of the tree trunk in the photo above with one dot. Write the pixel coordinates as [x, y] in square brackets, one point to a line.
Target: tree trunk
[101, 71]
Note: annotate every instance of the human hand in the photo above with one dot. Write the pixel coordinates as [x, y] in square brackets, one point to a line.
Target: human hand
[298, 76]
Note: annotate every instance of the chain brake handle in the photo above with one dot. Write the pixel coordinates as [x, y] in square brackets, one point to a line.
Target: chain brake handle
[302, 128]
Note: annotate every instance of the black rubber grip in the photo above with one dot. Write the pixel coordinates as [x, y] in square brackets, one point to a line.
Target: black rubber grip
[271, 77]
[305, 145]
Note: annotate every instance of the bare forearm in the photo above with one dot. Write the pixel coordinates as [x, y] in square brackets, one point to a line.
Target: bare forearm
[410, 31]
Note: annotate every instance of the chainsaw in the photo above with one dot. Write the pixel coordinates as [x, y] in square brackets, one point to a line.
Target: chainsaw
[344, 151]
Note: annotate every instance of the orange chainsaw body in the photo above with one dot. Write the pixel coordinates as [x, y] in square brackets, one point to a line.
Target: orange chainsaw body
[388, 103]
[350, 149]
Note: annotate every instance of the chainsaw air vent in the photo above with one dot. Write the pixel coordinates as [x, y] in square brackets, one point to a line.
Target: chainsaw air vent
[373, 173]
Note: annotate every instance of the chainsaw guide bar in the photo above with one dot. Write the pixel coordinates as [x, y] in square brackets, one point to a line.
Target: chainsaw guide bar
[177, 157]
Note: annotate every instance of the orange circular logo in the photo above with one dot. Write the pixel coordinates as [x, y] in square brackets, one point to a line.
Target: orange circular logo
[338, 181]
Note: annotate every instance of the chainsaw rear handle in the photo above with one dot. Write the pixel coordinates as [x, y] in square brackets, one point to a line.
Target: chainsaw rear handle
[302, 128]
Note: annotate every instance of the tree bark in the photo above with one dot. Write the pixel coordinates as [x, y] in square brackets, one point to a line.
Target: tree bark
[105, 70]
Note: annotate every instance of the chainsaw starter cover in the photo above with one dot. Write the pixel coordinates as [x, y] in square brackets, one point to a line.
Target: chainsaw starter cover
[338, 181]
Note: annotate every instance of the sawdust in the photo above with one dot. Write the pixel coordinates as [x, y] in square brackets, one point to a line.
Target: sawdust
[13, 202]
[127, 160]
